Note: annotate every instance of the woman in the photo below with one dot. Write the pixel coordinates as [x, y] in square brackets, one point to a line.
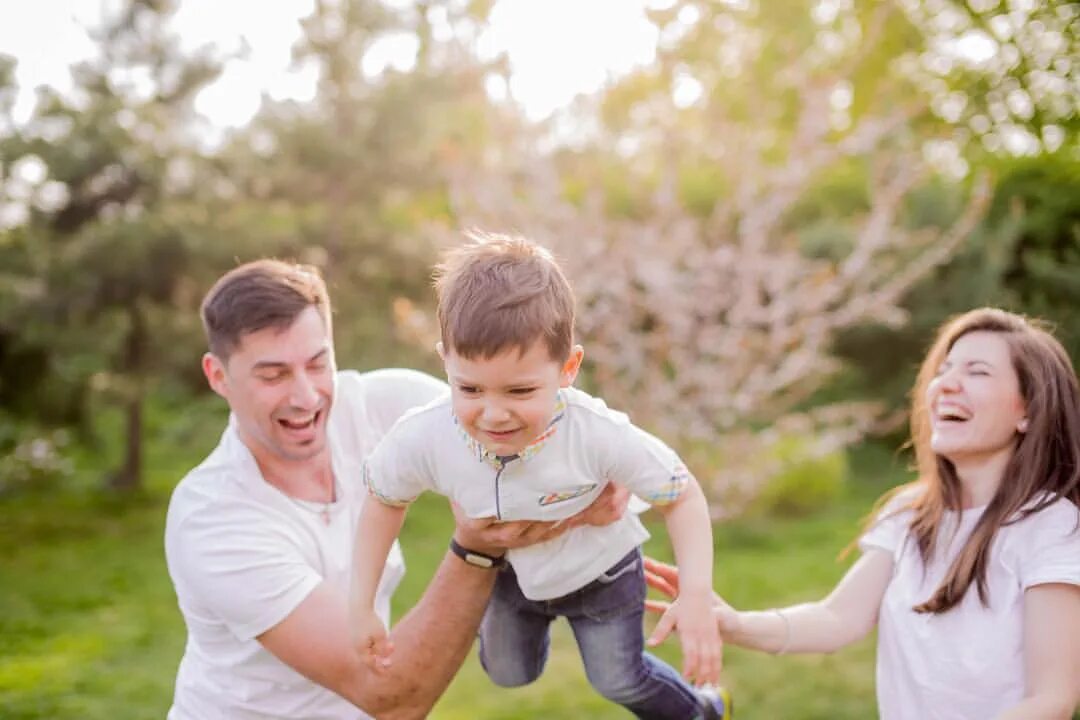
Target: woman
[972, 571]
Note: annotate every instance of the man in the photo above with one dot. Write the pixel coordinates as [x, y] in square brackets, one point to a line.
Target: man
[259, 536]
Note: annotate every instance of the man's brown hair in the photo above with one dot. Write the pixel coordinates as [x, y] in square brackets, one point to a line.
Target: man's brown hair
[499, 292]
[258, 295]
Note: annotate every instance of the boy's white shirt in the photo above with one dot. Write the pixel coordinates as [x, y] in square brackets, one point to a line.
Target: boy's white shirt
[587, 446]
[967, 662]
[243, 555]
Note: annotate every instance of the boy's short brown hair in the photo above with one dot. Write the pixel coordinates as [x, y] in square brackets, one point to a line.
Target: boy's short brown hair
[499, 292]
[258, 295]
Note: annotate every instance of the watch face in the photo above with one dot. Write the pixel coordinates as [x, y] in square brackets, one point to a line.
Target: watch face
[479, 560]
[475, 558]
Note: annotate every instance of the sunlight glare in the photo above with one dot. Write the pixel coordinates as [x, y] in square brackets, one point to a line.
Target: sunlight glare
[562, 48]
[557, 49]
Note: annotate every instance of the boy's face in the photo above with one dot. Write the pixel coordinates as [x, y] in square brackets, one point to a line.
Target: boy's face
[506, 401]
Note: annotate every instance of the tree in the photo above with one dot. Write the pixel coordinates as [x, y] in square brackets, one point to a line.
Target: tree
[346, 181]
[710, 288]
[106, 242]
[1004, 72]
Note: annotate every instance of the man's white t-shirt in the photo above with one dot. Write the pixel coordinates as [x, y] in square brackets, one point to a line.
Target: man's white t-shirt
[243, 555]
[586, 446]
[968, 662]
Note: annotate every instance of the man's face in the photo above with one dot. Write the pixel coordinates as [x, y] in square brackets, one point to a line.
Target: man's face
[506, 401]
[280, 385]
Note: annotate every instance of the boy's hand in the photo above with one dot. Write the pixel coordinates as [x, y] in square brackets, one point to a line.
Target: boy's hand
[371, 641]
[665, 578]
[691, 615]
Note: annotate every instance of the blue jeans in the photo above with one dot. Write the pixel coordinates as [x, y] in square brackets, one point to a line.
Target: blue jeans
[605, 616]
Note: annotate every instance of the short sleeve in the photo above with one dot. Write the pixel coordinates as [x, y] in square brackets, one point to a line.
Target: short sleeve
[1052, 546]
[890, 527]
[644, 463]
[384, 396]
[250, 580]
[399, 468]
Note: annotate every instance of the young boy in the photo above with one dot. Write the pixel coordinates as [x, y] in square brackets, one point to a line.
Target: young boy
[515, 441]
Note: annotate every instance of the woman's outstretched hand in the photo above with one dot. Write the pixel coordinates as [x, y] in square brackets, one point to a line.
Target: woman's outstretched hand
[665, 578]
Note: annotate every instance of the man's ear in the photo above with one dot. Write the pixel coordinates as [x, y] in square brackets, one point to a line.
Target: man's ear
[571, 366]
[214, 370]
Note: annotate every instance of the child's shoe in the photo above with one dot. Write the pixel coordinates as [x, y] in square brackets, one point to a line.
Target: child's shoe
[716, 703]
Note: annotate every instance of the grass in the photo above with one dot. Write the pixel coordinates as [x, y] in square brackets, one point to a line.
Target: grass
[760, 563]
[89, 627]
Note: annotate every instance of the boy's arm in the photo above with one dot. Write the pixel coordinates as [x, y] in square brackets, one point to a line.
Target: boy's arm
[690, 529]
[376, 531]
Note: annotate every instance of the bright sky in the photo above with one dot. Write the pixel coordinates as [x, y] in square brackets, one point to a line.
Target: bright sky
[557, 48]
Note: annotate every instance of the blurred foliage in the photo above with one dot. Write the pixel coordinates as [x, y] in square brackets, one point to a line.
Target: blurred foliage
[32, 459]
[1043, 270]
[104, 248]
[803, 483]
[129, 218]
[116, 215]
[1025, 257]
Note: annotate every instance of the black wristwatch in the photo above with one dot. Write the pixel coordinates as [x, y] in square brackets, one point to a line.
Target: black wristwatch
[479, 559]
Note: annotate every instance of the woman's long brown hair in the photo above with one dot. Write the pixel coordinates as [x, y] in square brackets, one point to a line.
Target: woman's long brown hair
[1045, 465]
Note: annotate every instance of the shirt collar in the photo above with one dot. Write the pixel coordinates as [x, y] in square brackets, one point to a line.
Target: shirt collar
[484, 455]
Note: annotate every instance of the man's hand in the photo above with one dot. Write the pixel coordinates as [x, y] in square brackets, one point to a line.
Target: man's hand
[491, 536]
[609, 506]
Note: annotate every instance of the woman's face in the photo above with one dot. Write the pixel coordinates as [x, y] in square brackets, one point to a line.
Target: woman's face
[974, 402]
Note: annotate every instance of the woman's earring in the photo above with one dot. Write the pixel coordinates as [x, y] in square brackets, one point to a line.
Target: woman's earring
[1022, 426]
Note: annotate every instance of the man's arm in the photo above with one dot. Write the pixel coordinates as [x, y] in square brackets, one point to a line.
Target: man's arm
[430, 642]
[433, 638]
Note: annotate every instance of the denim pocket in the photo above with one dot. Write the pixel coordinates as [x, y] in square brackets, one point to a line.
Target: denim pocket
[617, 591]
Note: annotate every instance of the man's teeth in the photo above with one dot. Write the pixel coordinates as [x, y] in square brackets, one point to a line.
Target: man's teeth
[298, 424]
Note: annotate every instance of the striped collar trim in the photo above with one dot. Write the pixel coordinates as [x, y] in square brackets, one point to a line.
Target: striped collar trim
[484, 455]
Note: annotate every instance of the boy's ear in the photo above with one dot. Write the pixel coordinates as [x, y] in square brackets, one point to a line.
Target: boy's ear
[571, 366]
[441, 349]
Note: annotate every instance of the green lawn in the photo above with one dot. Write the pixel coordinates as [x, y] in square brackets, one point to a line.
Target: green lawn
[89, 627]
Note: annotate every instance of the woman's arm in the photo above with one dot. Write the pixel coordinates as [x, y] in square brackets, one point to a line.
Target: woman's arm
[845, 616]
[1051, 653]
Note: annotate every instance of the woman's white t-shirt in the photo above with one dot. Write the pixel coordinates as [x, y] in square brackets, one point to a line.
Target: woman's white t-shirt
[967, 663]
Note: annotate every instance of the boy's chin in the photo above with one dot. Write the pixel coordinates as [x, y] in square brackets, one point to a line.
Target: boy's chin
[496, 446]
